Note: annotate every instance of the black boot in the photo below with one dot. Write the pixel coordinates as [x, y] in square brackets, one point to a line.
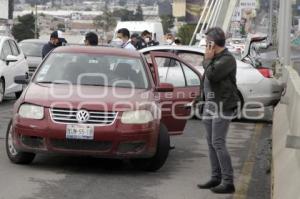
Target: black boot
[223, 188]
[210, 184]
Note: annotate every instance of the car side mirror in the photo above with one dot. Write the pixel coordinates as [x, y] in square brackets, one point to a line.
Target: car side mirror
[165, 87]
[11, 58]
[22, 79]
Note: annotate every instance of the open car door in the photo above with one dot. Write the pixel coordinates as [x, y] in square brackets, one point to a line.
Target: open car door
[169, 68]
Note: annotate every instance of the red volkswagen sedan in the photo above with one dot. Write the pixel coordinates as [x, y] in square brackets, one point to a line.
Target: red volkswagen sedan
[102, 102]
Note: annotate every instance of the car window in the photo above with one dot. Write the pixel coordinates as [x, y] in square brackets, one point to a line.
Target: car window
[93, 70]
[170, 71]
[14, 48]
[6, 50]
[193, 59]
[32, 49]
[192, 78]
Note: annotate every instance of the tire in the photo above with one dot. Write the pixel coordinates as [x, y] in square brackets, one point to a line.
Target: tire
[2, 90]
[15, 156]
[18, 94]
[161, 155]
[239, 115]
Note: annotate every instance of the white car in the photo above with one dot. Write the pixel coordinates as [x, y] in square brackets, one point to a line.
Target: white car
[257, 86]
[12, 63]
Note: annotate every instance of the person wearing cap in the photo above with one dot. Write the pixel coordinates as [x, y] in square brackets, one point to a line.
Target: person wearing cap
[56, 39]
[91, 39]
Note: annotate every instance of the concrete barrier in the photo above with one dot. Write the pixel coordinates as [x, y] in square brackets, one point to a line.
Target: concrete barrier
[286, 140]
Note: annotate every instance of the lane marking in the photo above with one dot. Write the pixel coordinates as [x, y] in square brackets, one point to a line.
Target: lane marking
[246, 172]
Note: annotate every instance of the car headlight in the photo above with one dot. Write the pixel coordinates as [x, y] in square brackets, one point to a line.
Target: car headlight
[31, 111]
[137, 117]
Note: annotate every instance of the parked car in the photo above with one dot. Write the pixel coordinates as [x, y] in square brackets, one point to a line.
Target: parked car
[81, 106]
[12, 63]
[32, 49]
[256, 85]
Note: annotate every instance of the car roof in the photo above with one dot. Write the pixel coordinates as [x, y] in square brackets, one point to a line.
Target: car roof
[185, 48]
[33, 41]
[171, 47]
[98, 50]
[5, 37]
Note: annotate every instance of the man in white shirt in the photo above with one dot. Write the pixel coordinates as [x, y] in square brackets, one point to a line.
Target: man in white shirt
[124, 35]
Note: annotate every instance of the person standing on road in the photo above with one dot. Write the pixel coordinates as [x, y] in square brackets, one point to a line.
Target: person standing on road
[91, 39]
[221, 101]
[147, 40]
[56, 40]
[135, 40]
[124, 35]
[170, 39]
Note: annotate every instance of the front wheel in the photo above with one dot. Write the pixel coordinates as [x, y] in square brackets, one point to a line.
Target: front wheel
[18, 94]
[161, 155]
[13, 154]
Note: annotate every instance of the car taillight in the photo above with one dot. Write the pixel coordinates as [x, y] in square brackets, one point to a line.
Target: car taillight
[267, 73]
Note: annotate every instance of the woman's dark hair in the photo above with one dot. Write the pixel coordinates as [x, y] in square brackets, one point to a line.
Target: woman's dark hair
[124, 31]
[92, 38]
[217, 35]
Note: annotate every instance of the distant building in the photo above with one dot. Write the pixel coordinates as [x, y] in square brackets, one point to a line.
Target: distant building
[179, 8]
[190, 9]
[76, 16]
[4, 9]
[164, 8]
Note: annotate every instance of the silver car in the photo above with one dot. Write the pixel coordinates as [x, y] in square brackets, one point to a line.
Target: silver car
[257, 86]
[32, 49]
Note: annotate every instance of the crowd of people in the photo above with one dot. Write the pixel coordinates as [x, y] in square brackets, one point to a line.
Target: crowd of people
[123, 40]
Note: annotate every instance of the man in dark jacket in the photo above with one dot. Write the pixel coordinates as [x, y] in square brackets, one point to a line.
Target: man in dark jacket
[56, 39]
[221, 101]
[146, 40]
[91, 39]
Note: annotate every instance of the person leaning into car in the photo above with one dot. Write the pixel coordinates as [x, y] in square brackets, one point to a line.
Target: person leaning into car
[220, 103]
[91, 39]
[56, 40]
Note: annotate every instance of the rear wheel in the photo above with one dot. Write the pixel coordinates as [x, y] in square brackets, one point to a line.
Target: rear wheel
[161, 155]
[2, 89]
[13, 154]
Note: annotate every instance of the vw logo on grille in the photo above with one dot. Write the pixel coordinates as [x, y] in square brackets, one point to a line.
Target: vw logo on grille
[82, 116]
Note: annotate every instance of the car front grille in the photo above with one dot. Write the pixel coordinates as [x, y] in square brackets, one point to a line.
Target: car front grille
[68, 116]
[87, 145]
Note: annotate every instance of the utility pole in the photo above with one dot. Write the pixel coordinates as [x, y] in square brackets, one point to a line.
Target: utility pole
[36, 23]
[271, 21]
[10, 9]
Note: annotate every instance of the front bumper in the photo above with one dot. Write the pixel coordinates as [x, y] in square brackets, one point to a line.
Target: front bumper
[115, 141]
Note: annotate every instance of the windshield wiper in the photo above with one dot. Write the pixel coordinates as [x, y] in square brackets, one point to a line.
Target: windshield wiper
[91, 84]
[50, 82]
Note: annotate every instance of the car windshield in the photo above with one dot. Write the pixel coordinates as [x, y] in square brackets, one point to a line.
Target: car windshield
[32, 49]
[93, 70]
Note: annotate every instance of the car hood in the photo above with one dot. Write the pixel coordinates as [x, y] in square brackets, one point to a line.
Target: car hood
[34, 61]
[87, 97]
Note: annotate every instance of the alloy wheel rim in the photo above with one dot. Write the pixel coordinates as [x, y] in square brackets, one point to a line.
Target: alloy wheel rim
[11, 147]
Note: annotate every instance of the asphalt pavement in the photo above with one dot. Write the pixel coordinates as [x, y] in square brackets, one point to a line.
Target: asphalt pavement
[61, 177]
